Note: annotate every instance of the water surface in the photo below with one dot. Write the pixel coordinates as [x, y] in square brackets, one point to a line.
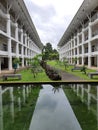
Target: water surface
[53, 111]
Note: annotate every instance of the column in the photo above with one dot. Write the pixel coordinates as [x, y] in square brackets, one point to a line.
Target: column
[9, 42]
[26, 40]
[22, 56]
[83, 46]
[89, 44]
[71, 50]
[16, 37]
[0, 64]
[97, 60]
[8, 25]
[22, 36]
[22, 61]
[9, 54]
[89, 59]
[26, 51]
[78, 48]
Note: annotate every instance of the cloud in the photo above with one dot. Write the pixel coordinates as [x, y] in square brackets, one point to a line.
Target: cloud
[51, 18]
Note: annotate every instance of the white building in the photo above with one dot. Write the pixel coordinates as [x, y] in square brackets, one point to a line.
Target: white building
[81, 37]
[18, 36]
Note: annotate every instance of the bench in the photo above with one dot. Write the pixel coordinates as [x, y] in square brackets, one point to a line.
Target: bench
[91, 74]
[82, 69]
[76, 68]
[11, 76]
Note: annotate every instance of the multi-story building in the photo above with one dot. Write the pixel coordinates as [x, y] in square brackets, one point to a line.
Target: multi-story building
[18, 35]
[80, 40]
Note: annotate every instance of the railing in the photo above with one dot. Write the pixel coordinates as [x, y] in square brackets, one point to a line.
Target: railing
[93, 49]
[3, 27]
[3, 47]
[94, 17]
[86, 38]
[94, 33]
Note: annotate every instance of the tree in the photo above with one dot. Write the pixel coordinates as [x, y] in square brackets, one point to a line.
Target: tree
[16, 61]
[35, 64]
[65, 62]
[49, 53]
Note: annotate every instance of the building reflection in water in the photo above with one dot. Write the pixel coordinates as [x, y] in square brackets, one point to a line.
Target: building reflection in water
[9, 98]
[1, 110]
[88, 95]
[13, 98]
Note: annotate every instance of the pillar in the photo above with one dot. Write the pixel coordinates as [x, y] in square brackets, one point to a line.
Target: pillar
[8, 25]
[22, 36]
[16, 38]
[9, 55]
[9, 42]
[22, 61]
[0, 64]
[82, 46]
[97, 60]
[22, 56]
[89, 44]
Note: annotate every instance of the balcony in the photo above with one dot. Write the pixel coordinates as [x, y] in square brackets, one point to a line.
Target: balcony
[3, 26]
[94, 17]
[3, 53]
[85, 38]
[94, 48]
[86, 50]
[94, 33]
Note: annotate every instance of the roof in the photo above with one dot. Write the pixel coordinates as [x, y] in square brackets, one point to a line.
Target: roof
[84, 10]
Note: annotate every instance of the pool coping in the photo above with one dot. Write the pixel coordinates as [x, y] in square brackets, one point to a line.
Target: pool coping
[50, 82]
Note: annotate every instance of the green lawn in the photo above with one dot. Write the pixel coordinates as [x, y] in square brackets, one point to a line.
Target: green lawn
[76, 72]
[27, 76]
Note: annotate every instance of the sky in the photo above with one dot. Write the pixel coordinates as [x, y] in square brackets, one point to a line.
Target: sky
[52, 17]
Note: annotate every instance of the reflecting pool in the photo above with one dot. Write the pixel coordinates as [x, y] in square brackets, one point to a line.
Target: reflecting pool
[49, 107]
[53, 111]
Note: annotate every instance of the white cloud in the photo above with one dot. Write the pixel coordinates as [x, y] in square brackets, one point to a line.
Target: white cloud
[51, 17]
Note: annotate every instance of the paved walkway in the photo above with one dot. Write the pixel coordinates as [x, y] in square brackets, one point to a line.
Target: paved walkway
[67, 76]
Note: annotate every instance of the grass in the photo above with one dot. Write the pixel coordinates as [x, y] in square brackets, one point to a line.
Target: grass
[86, 118]
[76, 72]
[27, 76]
